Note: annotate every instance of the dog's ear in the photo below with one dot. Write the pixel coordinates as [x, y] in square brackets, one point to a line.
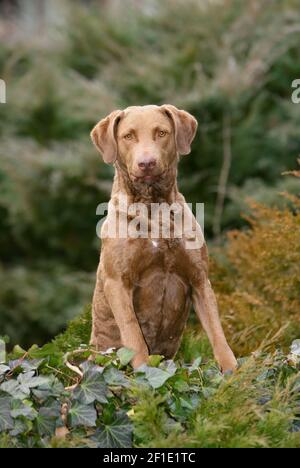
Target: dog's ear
[185, 126]
[103, 136]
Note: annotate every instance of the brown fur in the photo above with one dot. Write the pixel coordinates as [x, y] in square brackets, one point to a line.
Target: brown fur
[144, 291]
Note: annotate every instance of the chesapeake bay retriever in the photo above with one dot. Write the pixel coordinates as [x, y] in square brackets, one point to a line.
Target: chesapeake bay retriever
[145, 286]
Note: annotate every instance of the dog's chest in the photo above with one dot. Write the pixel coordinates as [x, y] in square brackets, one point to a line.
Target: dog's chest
[165, 255]
[161, 294]
[144, 259]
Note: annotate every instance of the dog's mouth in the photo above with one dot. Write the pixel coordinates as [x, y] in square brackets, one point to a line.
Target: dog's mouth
[147, 178]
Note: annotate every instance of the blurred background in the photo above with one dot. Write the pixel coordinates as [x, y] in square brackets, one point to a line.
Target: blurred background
[67, 64]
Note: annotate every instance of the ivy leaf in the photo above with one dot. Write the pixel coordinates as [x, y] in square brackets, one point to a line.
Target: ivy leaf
[92, 388]
[13, 388]
[6, 421]
[53, 388]
[156, 377]
[89, 366]
[4, 369]
[54, 408]
[181, 386]
[22, 409]
[20, 427]
[169, 366]
[28, 380]
[82, 415]
[115, 377]
[125, 355]
[190, 403]
[48, 418]
[48, 352]
[118, 434]
[18, 351]
[15, 365]
[46, 422]
[32, 365]
[195, 365]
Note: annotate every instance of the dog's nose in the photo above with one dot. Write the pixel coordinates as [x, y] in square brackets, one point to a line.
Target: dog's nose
[147, 164]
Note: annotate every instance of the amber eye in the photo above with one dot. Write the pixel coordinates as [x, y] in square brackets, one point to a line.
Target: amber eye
[162, 133]
[129, 136]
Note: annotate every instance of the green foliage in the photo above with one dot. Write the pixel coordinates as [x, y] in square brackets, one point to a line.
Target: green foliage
[167, 405]
[77, 333]
[36, 303]
[194, 343]
[257, 278]
[49, 200]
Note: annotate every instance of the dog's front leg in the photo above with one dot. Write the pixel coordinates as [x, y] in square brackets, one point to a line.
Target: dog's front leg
[120, 301]
[206, 308]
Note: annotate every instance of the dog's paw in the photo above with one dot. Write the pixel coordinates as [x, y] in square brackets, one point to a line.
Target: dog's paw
[139, 359]
[227, 361]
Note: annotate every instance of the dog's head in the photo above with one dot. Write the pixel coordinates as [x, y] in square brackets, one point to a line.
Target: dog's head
[146, 140]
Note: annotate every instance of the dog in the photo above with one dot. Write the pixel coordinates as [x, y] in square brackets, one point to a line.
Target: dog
[145, 287]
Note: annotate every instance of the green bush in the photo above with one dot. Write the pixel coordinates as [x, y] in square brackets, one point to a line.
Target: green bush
[166, 404]
[257, 278]
[36, 302]
[49, 199]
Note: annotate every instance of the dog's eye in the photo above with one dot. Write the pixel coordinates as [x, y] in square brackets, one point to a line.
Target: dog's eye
[162, 133]
[129, 136]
